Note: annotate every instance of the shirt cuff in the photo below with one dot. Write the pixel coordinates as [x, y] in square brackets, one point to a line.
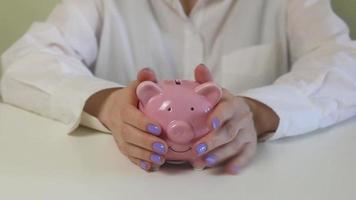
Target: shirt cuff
[92, 122]
[297, 114]
[69, 103]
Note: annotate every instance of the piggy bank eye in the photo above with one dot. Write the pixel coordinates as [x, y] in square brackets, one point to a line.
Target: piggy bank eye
[192, 108]
[169, 109]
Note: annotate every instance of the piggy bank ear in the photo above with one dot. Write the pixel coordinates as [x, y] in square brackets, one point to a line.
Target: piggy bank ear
[211, 91]
[146, 90]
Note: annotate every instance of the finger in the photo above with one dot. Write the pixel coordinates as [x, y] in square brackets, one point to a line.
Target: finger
[141, 139]
[223, 153]
[146, 74]
[241, 160]
[198, 164]
[147, 166]
[144, 154]
[131, 115]
[202, 74]
[221, 136]
[122, 146]
[213, 140]
[223, 111]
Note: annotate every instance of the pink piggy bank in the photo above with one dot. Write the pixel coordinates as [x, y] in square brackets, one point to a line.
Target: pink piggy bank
[181, 108]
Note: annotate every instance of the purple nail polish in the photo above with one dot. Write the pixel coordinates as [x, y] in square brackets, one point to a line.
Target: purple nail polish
[158, 148]
[156, 159]
[215, 123]
[201, 148]
[144, 165]
[211, 160]
[153, 129]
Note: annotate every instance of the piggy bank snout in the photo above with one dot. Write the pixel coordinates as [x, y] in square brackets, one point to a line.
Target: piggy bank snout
[180, 132]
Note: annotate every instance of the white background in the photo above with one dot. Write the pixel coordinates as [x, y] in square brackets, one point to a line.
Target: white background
[38, 161]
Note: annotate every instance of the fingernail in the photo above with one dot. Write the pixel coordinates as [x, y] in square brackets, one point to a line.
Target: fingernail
[201, 148]
[215, 123]
[153, 129]
[210, 160]
[156, 159]
[144, 165]
[158, 148]
[146, 69]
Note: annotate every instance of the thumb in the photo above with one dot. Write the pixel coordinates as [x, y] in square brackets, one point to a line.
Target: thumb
[146, 74]
[202, 74]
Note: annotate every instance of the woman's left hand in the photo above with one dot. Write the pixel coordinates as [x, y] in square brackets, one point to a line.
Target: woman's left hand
[234, 136]
[236, 123]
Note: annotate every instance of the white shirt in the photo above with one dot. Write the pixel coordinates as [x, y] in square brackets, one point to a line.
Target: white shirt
[293, 55]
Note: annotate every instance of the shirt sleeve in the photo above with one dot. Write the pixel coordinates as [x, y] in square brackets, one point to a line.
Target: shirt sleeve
[47, 71]
[320, 89]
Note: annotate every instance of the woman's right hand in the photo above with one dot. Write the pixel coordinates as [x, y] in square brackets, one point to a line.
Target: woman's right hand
[134, 134]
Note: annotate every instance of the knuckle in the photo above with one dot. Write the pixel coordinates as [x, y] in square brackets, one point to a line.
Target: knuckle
[143, 154]
[217, 112]
[236, 102]
[218, 106]
[124, 130]
[252, 148]
[142, 122]
[225, 105]
[237, 145]
[133, 160]
[237, 148]
[249, 115]
[123, 148]
[213, 143]
[138, 139]
[225, 93]
[230, 104]
[132, 151]
[108, 120]
[230, 131]
[143, 140]
[125, 111]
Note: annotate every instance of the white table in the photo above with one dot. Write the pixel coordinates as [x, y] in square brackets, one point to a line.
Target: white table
[38, 161]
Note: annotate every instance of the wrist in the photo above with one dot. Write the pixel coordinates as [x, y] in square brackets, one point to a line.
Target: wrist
[98, 102]
[265, 119]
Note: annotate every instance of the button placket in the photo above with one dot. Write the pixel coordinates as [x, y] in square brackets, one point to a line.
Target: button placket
[193, 52]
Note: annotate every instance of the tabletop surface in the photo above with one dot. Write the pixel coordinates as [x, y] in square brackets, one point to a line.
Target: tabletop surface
[39, 161]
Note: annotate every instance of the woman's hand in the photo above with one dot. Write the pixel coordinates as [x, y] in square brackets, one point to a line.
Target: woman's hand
[134, 134]
[237, 122]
